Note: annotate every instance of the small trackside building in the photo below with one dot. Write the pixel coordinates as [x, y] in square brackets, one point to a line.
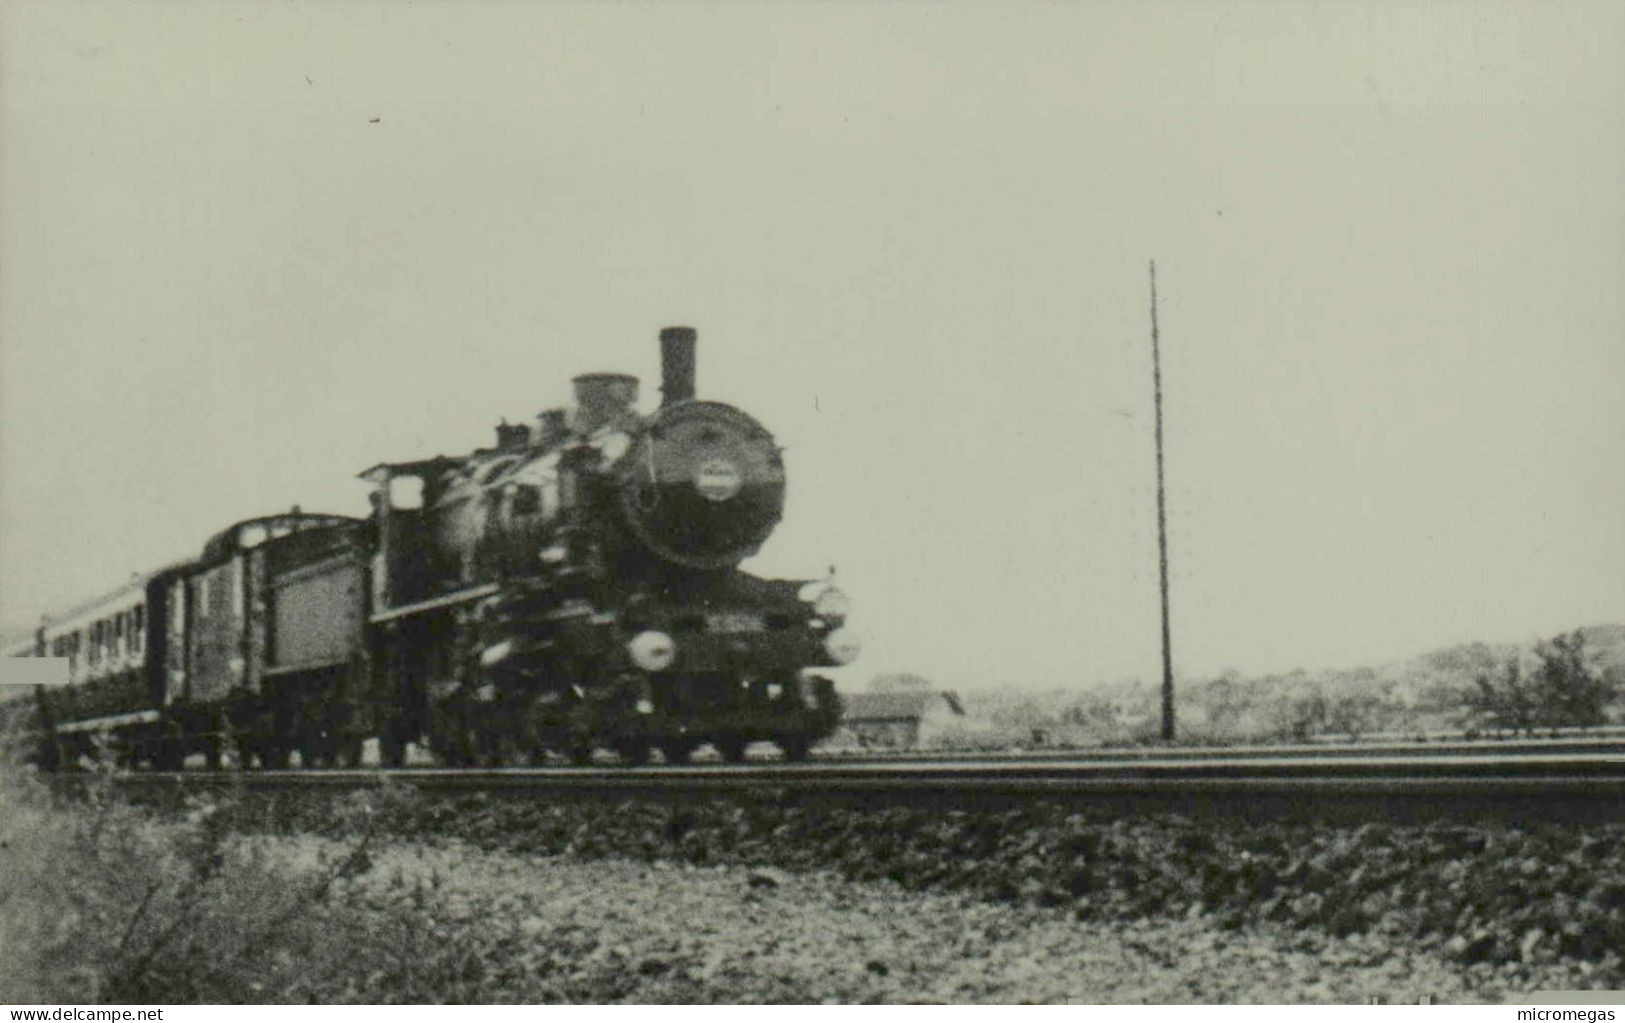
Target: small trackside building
[896, 720]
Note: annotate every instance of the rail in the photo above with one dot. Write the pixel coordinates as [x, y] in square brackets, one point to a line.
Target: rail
[1549, 785]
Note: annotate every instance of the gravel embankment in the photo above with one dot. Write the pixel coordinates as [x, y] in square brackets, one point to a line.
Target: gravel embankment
[392, 895]
[552, 929]
[1494, 893]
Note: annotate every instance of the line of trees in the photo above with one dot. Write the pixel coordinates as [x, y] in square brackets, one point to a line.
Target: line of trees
[1561, 690]
[1563, 682]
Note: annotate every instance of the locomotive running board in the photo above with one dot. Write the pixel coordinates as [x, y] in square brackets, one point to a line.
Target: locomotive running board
[449, 600]
[141, 717]
[302, 668]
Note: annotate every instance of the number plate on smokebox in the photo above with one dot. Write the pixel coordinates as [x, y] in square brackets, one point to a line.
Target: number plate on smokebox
[733, 621]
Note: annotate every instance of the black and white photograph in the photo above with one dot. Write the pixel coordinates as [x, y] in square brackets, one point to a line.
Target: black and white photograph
[820, 503]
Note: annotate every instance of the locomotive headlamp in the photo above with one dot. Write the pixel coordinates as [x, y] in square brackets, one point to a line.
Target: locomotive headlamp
[843, 646]
[651, 650]
[832, 603]
[496, 653]
[717, 479]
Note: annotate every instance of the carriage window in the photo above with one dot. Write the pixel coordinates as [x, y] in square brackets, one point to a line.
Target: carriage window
[406, 492]
[138, 626]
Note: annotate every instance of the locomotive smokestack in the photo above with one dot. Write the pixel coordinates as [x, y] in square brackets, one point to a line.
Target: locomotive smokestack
[677, 364]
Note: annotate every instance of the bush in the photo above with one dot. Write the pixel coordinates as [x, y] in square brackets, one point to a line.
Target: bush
[1563, 691]
[104, 902]
[1570, 691]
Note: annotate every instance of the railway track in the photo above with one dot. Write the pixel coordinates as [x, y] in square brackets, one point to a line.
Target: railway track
[1612, 741]
[1538, 784]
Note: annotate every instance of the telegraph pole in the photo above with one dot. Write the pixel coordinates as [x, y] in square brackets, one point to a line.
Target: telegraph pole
[1162, 523]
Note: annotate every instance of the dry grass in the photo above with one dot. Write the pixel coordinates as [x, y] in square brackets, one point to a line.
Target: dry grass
[103, 902]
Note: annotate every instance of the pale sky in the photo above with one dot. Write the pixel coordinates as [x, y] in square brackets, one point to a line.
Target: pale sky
[913, 237]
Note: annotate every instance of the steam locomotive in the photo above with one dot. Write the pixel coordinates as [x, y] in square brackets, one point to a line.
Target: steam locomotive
[573, 588]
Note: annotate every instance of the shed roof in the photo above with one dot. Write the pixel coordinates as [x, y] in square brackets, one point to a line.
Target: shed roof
[895, 706]
[242, 535]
